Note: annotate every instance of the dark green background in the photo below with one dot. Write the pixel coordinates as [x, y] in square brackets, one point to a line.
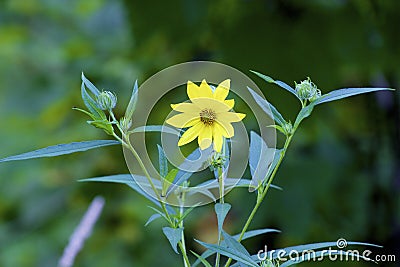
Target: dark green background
[341, 176]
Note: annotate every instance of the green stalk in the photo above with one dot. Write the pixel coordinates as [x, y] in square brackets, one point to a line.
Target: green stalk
[260, 197]
[128, 145]
[183, 243]
[221, 200]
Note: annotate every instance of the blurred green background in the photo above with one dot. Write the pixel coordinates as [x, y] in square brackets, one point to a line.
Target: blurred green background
[341, 176]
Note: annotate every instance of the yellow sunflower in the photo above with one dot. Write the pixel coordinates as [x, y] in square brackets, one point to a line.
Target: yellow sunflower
[208, 115]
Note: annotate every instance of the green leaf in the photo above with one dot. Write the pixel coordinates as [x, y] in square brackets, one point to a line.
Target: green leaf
[201, 259]
[274, 162]
[152, 218]
[167, 181]
[230, 253]
[183, 175]
[129, 181]
[62, 149]
[260, 159]
[92, 104]
[232, 243]
[247, 235]
[279, 83]
[159, 212]
[174, 236]
[279, 128]
[162, 162]
[132, 102]
[268, 108]
[304, 113]
[155, 128]
[104, 125]
[256, 232]
[206, 187]
[346, 92]
[85, 112]
[187, 212]
[221, 209]
[90, 85]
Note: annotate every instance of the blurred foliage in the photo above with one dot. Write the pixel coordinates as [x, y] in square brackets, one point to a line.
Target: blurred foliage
[341, 177]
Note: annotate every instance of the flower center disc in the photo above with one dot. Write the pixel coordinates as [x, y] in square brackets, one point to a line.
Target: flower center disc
[207, 116]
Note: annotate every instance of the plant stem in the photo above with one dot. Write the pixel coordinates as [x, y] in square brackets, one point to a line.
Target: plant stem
[261, 196]
[183, 243]
[221, 200]
[126, 143]
[183, 250]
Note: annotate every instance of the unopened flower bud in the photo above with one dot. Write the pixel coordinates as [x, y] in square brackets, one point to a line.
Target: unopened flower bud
[106, 100]
[217, 160]
[307, 90]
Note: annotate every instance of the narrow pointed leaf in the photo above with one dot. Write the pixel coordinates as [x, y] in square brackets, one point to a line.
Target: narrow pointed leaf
[155, 128]
[105, 125]
[230, 253]
[279, 83]
[91, 104]
[229, 183]
[132, 102]
[85, 112]
[62, 149]
[345, 92]
[256, 232]
[202, 260]
[152, 218]
[221, 209]
[174, 236]
[247, 235]
[167, 181]
[129, 181]
[260, 159]
[162, 162]
[200, 156]
[232, 243]
[268, 108]
[304, 113]
[274, 162]
[90, 85]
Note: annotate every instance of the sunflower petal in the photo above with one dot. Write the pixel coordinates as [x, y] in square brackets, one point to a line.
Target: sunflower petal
[230, 103]
[192, 90]
[218, 140]
[230, 116]
[205, 137]
[205, 90]
[191, 123]
[180, 120]
[186, 107]
[210, 103]
[222, 90]
[225, 128]
[190, 134]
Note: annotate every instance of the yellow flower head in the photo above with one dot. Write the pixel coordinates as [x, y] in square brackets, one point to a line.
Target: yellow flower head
[208, 115]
